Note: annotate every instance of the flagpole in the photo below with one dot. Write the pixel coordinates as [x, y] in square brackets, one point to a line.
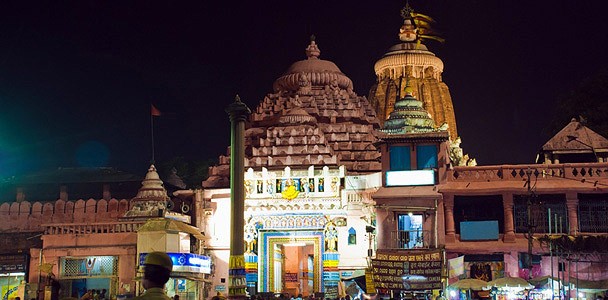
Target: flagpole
[152, 132]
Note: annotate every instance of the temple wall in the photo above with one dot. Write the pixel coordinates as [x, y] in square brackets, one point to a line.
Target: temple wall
[26, 216]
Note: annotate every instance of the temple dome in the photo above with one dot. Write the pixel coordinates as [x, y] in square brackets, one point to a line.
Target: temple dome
[409, 116]
[152, 187]
[416, 56]
[312, 71]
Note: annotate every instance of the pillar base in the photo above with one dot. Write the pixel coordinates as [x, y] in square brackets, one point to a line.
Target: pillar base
[509, 238]
[450, 238]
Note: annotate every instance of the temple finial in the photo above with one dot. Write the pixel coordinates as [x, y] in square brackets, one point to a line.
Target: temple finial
[406, 11]
[312, 51]
[237, 98]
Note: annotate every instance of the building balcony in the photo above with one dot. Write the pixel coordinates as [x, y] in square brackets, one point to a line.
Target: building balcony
[582, 172]
[410, 239]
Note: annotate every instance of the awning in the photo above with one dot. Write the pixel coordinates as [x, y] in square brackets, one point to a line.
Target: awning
[170, 225]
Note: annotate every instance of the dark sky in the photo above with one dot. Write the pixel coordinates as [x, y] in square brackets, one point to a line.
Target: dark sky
[77, 78]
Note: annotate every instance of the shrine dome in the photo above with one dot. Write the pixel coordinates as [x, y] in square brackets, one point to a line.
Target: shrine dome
[312, 71]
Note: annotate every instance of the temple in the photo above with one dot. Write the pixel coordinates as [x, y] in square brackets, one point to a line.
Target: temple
[311, 166]
[341, 196]
[411, 61]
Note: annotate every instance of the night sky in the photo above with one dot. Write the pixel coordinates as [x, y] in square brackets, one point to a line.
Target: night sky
[77, 78]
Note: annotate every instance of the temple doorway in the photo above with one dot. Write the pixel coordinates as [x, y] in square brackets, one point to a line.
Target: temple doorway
[291, 262]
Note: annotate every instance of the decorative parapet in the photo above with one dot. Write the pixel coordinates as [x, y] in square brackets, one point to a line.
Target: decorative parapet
[26, 216]
[88, 228]
[593, 173]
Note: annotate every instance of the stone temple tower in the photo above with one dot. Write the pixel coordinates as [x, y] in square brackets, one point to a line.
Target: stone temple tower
[411, 61]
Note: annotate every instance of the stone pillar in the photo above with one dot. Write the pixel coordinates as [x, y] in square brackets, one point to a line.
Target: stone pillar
[507, 204]
[106, 194]
[237, 283]
[572, 207]
[450, 229]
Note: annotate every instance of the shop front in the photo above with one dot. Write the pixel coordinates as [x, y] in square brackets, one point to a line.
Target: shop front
[189, 275]
[77, 275]
[13, 268]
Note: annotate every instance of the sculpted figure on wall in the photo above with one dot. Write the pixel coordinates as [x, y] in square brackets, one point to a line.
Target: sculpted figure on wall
[331, 237]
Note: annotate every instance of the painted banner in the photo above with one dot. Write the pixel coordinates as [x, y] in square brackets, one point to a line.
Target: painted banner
[407, 270]
[455, 267]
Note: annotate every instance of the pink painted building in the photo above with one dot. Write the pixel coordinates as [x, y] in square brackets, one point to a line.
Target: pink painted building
[98, 245]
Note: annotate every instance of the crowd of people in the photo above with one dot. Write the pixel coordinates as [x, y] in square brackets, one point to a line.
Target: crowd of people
[94, 294]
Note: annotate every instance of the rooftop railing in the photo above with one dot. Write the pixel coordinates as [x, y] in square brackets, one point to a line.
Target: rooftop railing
[86, 228]
[590, 172]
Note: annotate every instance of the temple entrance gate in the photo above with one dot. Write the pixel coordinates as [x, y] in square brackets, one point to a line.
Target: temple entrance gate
[290, 261]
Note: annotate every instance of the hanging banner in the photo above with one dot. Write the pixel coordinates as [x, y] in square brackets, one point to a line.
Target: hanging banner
[455, 267]
[407, 270]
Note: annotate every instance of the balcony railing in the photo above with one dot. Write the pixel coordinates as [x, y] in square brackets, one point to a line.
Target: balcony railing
[410, 239]
[577, 171]
[83, 228]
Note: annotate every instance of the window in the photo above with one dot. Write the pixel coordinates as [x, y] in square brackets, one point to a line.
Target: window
[540, 213]
[479, 208]
[352, 236]
[410, 234]
[592, 212]
[400, 158]
[426, 156]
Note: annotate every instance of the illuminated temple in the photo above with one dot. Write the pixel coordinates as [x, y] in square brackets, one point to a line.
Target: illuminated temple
[311, 166]
[338, 190]
[411, 61]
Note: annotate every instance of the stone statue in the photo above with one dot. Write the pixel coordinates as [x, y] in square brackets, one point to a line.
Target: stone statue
[331, 237]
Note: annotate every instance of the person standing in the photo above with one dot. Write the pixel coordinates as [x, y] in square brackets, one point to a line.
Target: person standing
[157, 270]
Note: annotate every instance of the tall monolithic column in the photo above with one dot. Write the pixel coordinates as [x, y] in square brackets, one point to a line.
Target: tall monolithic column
[237, 283]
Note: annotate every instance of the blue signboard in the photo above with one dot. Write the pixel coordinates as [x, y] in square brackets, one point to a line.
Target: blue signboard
[186, 262]
[478, 230]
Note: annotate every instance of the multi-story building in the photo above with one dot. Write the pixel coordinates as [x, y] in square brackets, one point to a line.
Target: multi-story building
[488, 221]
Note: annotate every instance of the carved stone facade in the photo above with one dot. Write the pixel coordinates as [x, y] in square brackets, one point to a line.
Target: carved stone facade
[411, 62]
[313, 118]
[311, 165]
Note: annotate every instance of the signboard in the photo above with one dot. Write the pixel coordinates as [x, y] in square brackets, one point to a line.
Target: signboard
[407, 270]
[186, 262]
[410, 178]
[479, 230]
[14, 263]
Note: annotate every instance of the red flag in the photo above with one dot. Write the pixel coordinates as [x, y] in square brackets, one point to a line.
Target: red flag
[154, 111]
